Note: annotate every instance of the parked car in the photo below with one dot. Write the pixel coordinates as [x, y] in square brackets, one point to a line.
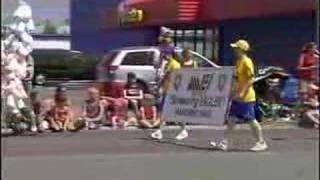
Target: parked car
[62, 65]
[112, 70]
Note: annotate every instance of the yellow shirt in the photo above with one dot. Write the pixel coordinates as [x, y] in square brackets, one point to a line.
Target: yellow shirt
[245, 73]
[173, 65]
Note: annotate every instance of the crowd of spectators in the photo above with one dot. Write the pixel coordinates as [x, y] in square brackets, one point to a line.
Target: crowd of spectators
[134, 109]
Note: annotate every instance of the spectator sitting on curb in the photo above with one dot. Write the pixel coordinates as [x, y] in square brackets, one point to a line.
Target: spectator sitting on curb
[60, 116]
[131, 120]
[119, 113]
[94, 109]
[148, 111]
[133, 93]
[312, 106]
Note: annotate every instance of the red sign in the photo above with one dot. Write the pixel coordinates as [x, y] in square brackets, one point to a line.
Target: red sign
[188, 10]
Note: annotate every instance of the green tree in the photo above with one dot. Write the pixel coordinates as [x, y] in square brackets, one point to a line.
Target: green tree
[49, 27]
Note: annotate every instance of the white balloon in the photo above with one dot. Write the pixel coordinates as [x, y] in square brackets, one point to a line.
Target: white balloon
[18, 26]
[23, 51]
[30, 25]
[23, 11]
[26, 38]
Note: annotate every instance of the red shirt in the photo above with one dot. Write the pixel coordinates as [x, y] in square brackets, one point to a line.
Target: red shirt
[149, 112]
[308, 60]
[61, 113]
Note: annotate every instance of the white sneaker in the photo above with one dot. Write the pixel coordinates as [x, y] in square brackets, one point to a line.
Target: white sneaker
[213, 144]
[223, 145]
[182, 135]
[34, 128]
[44, 125]
[157, 135]
[259, 146]
[126, 124]
[92, 126]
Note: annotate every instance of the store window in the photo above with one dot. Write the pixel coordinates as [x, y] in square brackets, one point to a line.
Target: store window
[201, 40]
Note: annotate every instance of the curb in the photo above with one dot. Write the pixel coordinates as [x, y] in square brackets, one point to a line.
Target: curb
[278, 126]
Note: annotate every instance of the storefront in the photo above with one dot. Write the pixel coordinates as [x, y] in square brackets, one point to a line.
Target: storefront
[277, 29]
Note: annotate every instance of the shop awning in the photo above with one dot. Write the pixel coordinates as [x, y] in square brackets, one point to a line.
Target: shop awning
[158, 12]
[235, 9]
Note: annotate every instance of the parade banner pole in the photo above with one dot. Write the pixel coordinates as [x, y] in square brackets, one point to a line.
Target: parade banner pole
[229, 101]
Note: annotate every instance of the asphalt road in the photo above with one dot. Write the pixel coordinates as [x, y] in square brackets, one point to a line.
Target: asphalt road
[131, 155]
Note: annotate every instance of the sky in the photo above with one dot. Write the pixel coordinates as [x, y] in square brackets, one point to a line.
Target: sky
[55, 10]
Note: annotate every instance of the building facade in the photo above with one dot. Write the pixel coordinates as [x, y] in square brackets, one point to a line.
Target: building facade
[276, 29]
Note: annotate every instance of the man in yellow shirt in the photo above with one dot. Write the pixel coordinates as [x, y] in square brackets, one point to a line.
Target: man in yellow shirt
[172, 65]
[244, 98]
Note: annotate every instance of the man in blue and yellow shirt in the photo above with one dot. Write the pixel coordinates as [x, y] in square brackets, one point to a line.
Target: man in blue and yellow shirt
[244, 98]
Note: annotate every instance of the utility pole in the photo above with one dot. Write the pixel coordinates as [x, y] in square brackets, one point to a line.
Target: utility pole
[317, 22]
[317, 31]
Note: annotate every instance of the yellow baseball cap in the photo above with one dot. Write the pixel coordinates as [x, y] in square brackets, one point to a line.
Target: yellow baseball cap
[241, 44]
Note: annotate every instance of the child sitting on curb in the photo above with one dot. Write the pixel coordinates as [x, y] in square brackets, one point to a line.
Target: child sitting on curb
[60, 116]
[94, 109]
[148, 112]
[119, 113]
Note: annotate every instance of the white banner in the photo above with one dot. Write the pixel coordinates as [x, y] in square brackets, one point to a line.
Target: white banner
[199, 96]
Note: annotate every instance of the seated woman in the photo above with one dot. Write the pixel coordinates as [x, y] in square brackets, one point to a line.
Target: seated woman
[148, 111]
[60, 115]
[94, 109]
[312, 106]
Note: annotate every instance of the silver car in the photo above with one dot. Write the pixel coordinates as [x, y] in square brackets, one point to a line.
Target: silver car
[112, 70]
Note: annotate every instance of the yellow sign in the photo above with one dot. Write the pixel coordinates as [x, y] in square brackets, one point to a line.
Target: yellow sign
[132, 16]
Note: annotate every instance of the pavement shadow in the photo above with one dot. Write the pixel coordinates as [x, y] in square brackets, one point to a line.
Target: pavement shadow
[279, 139]
[190, 146]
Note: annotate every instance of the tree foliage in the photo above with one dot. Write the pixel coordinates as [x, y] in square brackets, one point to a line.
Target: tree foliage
[49, 28]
